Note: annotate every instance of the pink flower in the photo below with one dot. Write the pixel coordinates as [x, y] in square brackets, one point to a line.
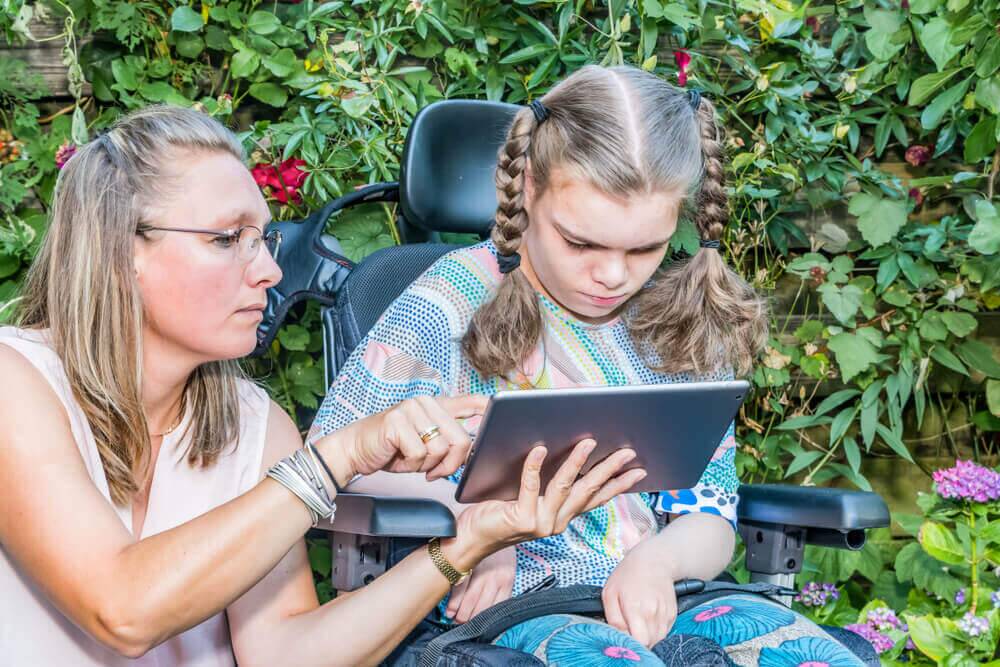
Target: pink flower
[281, 182]
[813, 23]
[967, 480]
[683, 59]
[65, 152]
[917, 196]
[918, 155]
[905, 5]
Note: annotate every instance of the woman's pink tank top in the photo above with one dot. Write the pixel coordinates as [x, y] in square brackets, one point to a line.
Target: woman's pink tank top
[32, 631]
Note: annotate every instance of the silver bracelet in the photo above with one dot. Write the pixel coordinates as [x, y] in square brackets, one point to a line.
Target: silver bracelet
[299, 475]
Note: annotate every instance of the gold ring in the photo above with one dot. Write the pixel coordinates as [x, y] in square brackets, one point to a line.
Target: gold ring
[429, 434]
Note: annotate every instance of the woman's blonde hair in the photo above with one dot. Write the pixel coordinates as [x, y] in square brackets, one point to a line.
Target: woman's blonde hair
[82, 288]
[627, 133]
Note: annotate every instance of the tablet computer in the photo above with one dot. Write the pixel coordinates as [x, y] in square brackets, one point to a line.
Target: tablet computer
[674, 429]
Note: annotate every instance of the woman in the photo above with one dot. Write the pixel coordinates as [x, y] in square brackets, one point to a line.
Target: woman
[591, 182]
[154, 499]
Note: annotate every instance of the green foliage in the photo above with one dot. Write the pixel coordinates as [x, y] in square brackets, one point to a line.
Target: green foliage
[887, 268]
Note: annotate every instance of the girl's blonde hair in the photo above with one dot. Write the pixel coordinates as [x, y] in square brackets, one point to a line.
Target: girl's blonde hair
[627, 133]
[82, 288]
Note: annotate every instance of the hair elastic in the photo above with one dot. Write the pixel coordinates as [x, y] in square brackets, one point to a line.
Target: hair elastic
[694, 98]
[708, 243]
[508, 263]
[540, 110]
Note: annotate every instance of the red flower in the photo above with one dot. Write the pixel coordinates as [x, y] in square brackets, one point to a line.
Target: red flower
[918, 155]
[813, 23]
[917, 196]
[683, 59]
[281, 182]
[905, 5]
[65, 152]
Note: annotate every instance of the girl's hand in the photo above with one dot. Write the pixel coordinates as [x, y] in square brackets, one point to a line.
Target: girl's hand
[487, 527]
[639, 596]
[490, 583]
[391, 440]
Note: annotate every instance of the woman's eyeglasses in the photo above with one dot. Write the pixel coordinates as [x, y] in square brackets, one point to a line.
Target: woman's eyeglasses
[246, 240]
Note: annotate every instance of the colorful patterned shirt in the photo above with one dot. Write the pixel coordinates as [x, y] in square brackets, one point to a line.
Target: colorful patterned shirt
[415, 349]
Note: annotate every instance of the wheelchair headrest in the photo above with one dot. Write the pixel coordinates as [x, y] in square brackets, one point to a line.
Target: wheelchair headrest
[446, 176]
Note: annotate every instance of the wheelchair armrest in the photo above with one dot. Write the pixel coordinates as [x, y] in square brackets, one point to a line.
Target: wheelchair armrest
[383, 516]
[812, 507]
[776, 522]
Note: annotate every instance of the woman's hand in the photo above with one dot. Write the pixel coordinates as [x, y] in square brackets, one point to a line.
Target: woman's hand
[491, 582]
[487, 527]
[639, 596]
[391, 440]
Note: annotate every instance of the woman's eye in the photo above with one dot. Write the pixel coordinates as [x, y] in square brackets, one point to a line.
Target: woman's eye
[224, 241]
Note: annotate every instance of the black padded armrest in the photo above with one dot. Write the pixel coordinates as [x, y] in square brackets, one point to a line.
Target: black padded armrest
[812, 507]
[383, 516]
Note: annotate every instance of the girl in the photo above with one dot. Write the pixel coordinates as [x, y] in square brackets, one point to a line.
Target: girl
[154, 500]
[590, 184]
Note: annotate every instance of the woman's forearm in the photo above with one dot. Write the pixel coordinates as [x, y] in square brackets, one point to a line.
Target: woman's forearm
[695, 546]
[176, 579]
[362, 627]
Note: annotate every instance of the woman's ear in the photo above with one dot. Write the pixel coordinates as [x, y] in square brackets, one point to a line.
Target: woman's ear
[139, 255]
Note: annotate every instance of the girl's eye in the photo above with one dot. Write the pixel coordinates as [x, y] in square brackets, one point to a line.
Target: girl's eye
[577, 246]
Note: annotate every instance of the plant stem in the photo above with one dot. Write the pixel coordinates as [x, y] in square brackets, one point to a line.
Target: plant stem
[975, 562]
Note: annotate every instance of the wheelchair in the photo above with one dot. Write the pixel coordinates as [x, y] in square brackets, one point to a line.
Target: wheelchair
[446, 187]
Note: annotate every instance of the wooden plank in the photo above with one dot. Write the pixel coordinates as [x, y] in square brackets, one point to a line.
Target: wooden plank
[44, 56]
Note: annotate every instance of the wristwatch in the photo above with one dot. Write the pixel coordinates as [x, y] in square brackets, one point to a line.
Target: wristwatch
[451, 573]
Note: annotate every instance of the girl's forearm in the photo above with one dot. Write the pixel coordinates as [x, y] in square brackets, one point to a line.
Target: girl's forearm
[694, 546]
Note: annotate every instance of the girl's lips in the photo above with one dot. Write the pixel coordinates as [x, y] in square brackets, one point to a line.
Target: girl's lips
[605, 300]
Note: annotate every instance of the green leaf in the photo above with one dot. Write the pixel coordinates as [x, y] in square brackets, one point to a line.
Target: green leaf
[244, 64]
[879, 219]
[988, 60]
[188, 45]
[925, 86]
[263, 23]
[932, 635]
[932, 327]
[985, 236]
[685, 238]
[185, 19]
[893, 441]
[919, 272]
[935, 37]
[673, 12]
[960, 324]
[938, 541]
[854, 354]
[946, 358]
[269, 93]
[853, 453]
[981, 141]
[161, 91]
[942, 104]
[993, 397]
[841, 423]
[803, 421]
[294, 337]
[980, 357]
[282, 63]
[358, 105]
[835, 400]
[809, 330]
[988, 94]
[843, 302]
[320, 558]
[924, 6]
[124, 74]
[801, 461]
[525, 54]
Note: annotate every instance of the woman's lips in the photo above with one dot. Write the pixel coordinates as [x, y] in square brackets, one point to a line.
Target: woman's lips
[605, 301]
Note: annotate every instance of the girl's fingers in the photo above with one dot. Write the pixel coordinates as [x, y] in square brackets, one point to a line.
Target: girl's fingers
[473, 594]
[455, 599]
[463, 407]
[614, 487]
[612, 610]
[562, 483]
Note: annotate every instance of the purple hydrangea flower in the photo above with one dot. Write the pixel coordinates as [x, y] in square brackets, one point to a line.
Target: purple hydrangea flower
[877, 623]
[973, 625]
[995, 599]
[816, 595]
[960, 596]
[880, 642]
[968, 480]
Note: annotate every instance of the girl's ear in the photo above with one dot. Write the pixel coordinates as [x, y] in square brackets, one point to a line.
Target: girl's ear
[529, 185]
